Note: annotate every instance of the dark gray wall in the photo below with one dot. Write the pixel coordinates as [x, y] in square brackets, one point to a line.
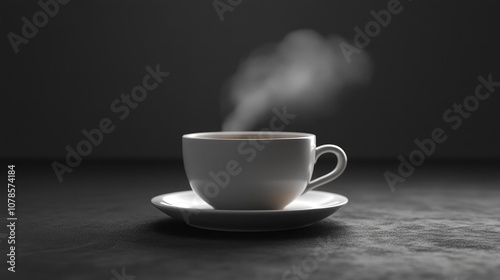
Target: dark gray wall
[66, 77]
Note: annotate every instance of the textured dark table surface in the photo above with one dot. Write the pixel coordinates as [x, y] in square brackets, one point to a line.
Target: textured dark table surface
[442, 223]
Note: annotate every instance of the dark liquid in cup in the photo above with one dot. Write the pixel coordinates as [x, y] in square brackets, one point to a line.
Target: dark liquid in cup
[257, 136]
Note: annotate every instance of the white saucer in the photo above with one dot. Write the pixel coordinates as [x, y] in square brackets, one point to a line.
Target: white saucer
[187, 207]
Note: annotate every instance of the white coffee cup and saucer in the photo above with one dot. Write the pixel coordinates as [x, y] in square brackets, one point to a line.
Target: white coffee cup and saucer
[253, 181]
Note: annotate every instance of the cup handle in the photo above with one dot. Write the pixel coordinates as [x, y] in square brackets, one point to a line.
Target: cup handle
[335, 173]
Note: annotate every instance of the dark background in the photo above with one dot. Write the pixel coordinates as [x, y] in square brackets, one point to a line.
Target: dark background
[442, 223]
[65, 78]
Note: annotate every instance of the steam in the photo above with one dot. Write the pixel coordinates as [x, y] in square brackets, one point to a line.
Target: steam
[304, 71]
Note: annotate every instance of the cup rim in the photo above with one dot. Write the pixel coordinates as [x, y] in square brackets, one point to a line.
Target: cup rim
[283, 135]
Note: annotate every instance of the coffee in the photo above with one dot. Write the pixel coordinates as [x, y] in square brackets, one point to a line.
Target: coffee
[254, 170]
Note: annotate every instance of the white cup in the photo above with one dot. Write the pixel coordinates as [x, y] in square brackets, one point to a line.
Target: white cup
[255, 170]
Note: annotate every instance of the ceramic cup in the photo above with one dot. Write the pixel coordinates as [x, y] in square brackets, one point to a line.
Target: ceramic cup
[254, 170]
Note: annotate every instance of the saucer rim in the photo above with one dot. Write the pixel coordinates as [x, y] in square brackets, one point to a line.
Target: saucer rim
[156, 201]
